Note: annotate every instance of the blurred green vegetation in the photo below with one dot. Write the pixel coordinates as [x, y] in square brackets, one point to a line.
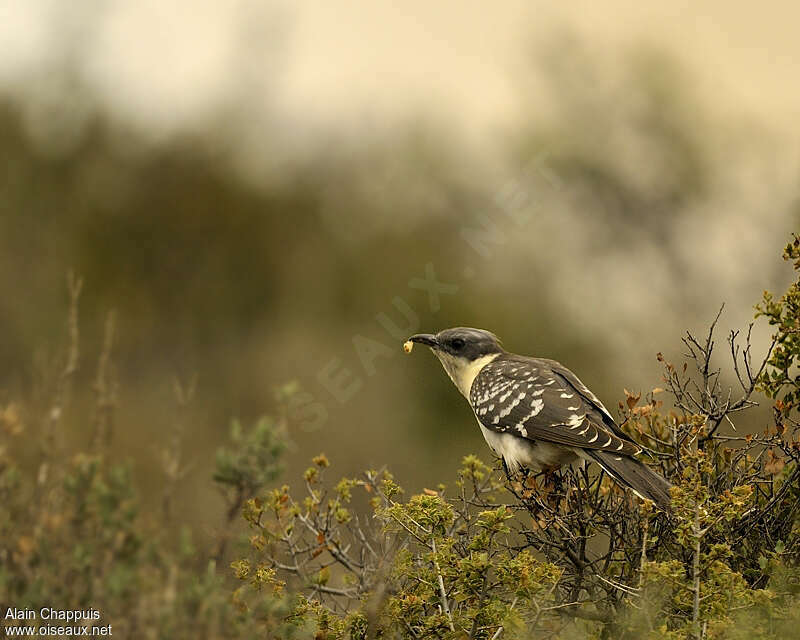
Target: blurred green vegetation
[75, 537]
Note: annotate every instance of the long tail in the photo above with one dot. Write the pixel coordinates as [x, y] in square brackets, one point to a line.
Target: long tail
[635, 475]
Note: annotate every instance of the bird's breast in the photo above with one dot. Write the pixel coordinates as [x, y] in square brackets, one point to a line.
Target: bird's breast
[521, 452]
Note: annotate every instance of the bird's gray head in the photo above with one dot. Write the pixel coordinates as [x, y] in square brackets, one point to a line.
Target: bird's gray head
[461, 342]
[463, 351]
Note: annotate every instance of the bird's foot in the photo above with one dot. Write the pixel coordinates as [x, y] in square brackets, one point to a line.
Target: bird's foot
[547, 484]
[516, 479]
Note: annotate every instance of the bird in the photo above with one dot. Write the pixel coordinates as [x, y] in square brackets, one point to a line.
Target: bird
[536, 414]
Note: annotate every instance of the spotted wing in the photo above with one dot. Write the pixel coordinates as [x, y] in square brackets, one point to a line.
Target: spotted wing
[530, 398]
[575, 383]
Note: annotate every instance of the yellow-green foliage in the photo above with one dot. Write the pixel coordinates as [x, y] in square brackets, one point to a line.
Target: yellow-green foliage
[434, 543]
[781, 380]
[412, 553]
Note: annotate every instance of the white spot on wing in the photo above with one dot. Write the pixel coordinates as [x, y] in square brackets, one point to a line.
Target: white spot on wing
[506, 395]
[575, 420]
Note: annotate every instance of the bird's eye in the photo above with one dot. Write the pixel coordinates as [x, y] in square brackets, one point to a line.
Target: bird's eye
[457, 343]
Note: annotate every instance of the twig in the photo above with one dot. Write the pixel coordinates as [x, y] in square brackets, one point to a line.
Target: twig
[442, 592]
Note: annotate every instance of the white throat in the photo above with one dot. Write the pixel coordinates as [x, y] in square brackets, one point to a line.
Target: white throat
[462, 371]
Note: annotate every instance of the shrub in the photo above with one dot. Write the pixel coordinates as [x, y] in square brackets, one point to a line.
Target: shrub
[74, 537]
[570, 554]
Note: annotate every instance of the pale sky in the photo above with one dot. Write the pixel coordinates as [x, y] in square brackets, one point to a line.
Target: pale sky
[166, 65]
[463, 56]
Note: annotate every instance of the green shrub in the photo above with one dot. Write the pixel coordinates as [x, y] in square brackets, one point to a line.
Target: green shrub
[571, 554]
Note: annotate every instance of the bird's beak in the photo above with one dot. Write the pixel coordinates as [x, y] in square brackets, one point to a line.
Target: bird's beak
[425, 338]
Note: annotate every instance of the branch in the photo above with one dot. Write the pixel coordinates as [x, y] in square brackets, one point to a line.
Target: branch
[442, 592]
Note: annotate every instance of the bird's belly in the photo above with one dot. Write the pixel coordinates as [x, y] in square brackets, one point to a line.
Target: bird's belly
[521, 452]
